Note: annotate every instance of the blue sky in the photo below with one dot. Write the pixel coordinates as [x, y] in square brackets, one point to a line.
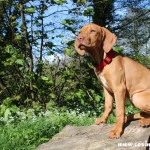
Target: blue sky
[57, 13]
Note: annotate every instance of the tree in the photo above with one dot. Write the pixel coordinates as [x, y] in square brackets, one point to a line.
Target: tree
[133, 31]
[31, 32]
[103, 12]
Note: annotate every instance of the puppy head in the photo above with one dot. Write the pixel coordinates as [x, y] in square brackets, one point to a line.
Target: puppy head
[92, 37]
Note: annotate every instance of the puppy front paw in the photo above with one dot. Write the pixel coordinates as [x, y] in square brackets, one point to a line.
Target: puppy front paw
[114, 134]
[100, 120]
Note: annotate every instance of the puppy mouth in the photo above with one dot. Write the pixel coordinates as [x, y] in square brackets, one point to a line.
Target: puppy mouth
[82, 46]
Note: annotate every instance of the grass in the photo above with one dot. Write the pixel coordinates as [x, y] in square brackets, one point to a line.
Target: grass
[28, 131]
[27, 128]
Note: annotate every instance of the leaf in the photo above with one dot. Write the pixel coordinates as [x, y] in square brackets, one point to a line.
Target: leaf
[10, 61]
[42, 140]
[3, 109]
[17, 97]
[28, 100]
[97, 98]
[18, 37]
[49, 44]
[7, 101]
[1, 1]
[36, 105]
[12, 17]
[14, 109]
[81, 1]
[50, 104]
[9, 49]
[14, 24]
[88, 11]
[50, 53]
[34, 86]
[50, 82]
[44, 78]
[21, 68]
[19, 61]
[59, 2]
[52, 95]
[64, 22]
[82, 102]
[30, 10]
[117, 49]
[67, 51]
[6, 114]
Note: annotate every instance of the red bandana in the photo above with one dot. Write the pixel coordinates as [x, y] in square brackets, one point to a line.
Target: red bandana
[106, 61]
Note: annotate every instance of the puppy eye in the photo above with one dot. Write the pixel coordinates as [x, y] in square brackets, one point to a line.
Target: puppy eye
[93, 30]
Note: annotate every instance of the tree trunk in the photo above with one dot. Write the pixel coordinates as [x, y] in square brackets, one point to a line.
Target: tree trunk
[42, 40]
[103, 12]
[28, 46]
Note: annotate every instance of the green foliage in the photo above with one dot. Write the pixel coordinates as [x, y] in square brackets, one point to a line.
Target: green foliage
[145, 60]
[30, 10]
[118, 49]
[59, 2]
[27, 129]
[88, 12]
[81, 1]
[36, 126]
[130, 109]
[31, 34]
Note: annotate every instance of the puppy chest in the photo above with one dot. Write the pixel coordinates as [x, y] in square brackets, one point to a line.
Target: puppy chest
[104, 82]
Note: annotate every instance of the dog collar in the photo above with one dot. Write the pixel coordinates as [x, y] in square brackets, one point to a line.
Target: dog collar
[106, 61]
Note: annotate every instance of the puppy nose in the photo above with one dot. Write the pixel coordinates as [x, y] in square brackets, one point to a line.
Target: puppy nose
[80, 38]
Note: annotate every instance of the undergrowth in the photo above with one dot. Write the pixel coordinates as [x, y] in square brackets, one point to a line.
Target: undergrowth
[26, 130]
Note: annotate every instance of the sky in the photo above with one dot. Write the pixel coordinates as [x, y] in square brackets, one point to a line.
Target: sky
[55, 16]
[57, 13]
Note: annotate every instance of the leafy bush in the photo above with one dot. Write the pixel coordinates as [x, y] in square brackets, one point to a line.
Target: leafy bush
[27, 129]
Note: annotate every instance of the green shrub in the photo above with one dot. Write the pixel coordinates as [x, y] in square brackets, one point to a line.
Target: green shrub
[27, 130]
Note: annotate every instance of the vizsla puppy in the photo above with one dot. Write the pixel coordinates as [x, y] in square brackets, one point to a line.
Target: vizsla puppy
[120, 76]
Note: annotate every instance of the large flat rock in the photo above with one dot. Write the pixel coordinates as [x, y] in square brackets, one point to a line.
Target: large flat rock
[95, 137]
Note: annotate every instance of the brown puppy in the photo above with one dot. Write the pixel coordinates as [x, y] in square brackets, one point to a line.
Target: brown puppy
[120, 76]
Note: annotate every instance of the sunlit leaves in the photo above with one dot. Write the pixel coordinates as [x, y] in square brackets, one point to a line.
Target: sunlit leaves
[19, 61]
[59, 2]
[2, 1]
[67, 51]
[9, 49]
[30, 10]
[64, 80]
[118, 49]
[88, 12]
[14, 57]
[64, 22]
[49, 44]
[14, 24]
[68, 21]
[44, 78]
[81, 1]
[18, 37]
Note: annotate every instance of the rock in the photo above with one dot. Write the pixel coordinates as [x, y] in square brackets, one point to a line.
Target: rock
[94, 137]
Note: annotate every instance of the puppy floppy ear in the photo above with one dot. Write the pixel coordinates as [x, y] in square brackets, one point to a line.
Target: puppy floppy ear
[109, 40]
[76, 45]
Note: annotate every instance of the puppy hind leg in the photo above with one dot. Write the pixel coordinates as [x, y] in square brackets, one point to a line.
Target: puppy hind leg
[133, 117]
[142, 101]
[145, 121]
